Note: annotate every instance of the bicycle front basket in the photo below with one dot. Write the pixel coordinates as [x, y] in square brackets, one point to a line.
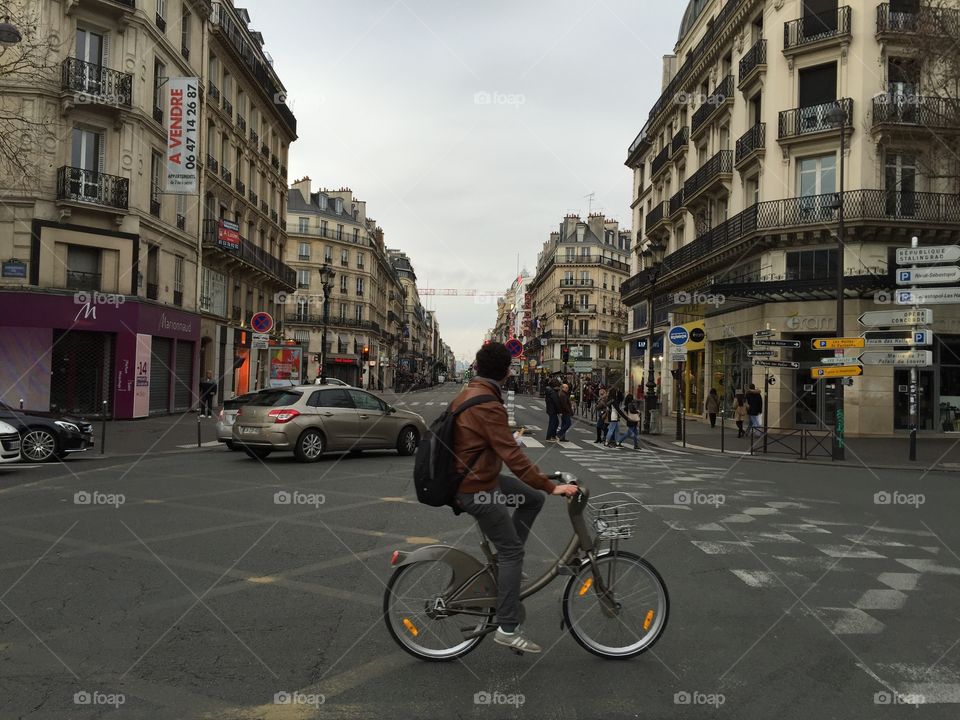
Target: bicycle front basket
[614, 514]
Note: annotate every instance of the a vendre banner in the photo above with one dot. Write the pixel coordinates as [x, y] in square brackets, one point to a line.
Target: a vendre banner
[183, 131]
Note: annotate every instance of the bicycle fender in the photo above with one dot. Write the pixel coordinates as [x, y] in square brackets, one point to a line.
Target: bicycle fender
[464, 567]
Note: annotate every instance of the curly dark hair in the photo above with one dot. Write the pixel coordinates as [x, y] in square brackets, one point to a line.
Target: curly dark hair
[493, 361]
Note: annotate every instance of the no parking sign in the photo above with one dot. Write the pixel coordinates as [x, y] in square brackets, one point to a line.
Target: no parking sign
[262, 322]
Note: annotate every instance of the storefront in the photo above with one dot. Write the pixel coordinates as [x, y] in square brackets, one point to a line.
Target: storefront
[74, 352]
[638, 364]
[694, 368]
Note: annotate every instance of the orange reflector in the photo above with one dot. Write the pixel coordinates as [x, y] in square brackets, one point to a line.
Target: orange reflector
[648, 620]
[396, 556]
[411, 627]
[586, 586]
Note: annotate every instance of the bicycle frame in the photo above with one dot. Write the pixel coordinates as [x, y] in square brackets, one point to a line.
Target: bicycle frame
[472, 590]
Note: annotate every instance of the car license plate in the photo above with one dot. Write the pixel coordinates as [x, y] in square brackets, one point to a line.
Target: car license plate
[249, 430]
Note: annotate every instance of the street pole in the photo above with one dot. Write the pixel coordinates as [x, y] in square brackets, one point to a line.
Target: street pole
[914, 384]
[650, 399]
[680, 404]
[839, 444]
[766, 409]
[566, 317]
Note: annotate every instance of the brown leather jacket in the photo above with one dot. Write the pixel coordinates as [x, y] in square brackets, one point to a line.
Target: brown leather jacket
[482, 432]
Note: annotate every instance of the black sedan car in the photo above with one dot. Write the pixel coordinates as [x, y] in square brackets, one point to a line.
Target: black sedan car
[47, 436]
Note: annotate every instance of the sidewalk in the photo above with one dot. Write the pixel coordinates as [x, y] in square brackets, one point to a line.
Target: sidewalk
[933, 449]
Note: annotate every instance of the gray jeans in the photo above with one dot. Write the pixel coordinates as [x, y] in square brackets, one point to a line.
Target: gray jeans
[508, 533]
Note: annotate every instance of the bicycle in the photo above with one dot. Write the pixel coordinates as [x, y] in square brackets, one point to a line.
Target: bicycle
[434, 585]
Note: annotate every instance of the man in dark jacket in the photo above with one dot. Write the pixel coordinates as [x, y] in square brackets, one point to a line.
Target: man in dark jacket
[754, 406]
[566, 412]
[552, 401]
[482, 442]
[208, 388]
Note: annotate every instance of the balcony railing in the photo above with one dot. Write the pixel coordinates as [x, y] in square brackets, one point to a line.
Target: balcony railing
[88, 281]
[283, 170]
[656, 216]
[254, 199]
[813, 119]
[815, 28]
[886, 207]
[316, 319]
[241, 187]
[575, 282]
[241, 123]
[178, 298]
[265, 150]
[925, 111]
[87, 186]
[677, 202]
[927, 21]
[153, 291]
[228, 108]
[213, 91]
[161, 22]
[185, 51]
[212, 164]
[155, 207]
[331, 235]
[226, 175]
[305, 257]
[251, 254]
[264, 208]
[753, 59]
[96, 84]
[158, 115]
[721, 95]
[660, 161]
[578, 309]
[275, 162]
[254, 138]
[680, 140]
[752, 141]
[719, 164]
[181, 222]
[274, 216]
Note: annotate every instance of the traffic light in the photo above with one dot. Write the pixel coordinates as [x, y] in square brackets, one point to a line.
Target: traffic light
[565, 353]
[366, 353]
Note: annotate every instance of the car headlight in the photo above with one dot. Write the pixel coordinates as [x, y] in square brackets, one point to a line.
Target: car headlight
[67, 425]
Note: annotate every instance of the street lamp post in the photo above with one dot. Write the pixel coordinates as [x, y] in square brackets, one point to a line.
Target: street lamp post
[326, 281]
[652, 254]
[565, 311]
[838, 116]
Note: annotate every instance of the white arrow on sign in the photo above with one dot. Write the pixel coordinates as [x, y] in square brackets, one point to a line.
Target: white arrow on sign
[896, 318]
[928, 255]
[907, 358]
[928, 296]
[928, 276]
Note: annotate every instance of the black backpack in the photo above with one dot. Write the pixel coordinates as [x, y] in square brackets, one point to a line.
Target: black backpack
[434, 467]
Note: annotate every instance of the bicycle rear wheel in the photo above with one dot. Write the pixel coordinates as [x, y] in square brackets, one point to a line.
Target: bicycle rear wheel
[417, 619]
[639, 596]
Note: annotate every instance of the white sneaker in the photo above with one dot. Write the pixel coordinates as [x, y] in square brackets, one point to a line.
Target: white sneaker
[516, 641]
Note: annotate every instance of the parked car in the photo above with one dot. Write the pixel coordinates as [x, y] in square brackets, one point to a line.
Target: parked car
[46, 436]
[311, 421]
[9, 443]
[332, 381]
[228, 415]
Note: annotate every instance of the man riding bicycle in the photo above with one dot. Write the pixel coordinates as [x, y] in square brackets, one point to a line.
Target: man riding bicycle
[482, 443]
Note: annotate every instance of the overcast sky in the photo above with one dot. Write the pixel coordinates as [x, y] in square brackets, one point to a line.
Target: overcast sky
[469, 128]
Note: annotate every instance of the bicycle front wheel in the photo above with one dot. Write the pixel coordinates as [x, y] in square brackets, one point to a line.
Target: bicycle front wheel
[416, 618]
[640, 606]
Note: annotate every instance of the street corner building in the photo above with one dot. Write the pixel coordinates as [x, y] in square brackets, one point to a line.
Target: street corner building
[145, 227]
[794, 148]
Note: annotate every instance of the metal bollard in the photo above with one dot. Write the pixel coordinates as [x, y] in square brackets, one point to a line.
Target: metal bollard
[198, 428]
[723, 443]
[103, 427]
[21, 403]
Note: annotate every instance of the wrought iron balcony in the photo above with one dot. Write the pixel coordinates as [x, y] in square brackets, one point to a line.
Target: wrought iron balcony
[253, 197]
[181, 222]
[813, 119]
[161, 23]
[212, 164]
[924, 20]
[916, 111]
[264, 208]
[153, 291]
[86, 186]
[254, 138]
[241, 187]
[213, 91]
[721, 96]
[95, 84]
[158, 115]
[656, 217]
[274, 216]
[576, 282]
[265, 150]
[226, 175]
[660, 161]
[717, 167]
[677, 203]
[155, 206]
[275, 162]
[228, 108]
[816, 29]
[241, 123]
[250, 254]
[752, 61]
[751, 144]
[88, 281]
[578, 309]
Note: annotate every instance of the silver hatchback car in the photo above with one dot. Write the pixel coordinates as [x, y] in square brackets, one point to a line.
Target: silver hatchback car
[312, 420]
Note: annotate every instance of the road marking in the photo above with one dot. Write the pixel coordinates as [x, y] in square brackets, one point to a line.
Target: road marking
[212, 443]
[415, 403]
[925, 565]
[839, 551]
[519, 407]
[569, 445]
[900, 581]
[881, 600]
[851, 621]
[429, 403]
[531, 443]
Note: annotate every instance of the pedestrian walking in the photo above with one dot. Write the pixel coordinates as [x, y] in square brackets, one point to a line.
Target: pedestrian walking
[552, 402]
[631, 416]
[566, 412]
[588, 399]
[754, 406]
[740, 413]
[208, 388]
[712, 407]
[603, 416]
[616, 411]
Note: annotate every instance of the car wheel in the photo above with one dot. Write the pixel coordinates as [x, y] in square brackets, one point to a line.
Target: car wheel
[309, 446]
[230, 445]
[407, 441]
[39, 445]
[257, 453]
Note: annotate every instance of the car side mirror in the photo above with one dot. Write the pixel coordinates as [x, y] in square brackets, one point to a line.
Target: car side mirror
[391, 409]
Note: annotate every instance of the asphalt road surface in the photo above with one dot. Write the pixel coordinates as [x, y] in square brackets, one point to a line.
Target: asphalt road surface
[182, 586]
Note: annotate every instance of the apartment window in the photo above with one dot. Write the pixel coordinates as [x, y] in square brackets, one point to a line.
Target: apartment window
[303, 279]
[605, 276]
[323, 227]
[159, 75]
[344, 257]
[568, 300]
[304, 251]
[585, 254]
[817, 84]
[156, 163]
[162, 15]
[360, 260]
[584, 327]
[360, 286]
[177, 280]
[213, 288]
[339, 229]
[343, 311]
[602, 352]
[185, 20]
[303, 308]
[343, 283]
[83, 268]
[227, 89]
[86, 156]
[327, 254]
[753, 190]
[812, 265]
[92, 49]
[568, 277]
[304, 224]
[584, 301]
[900, 182]
[571, 254]
[816, 175]
[584, 277]
[356, 235]
[359, 310]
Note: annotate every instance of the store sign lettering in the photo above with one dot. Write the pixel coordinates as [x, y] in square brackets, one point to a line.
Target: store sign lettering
[175, 325]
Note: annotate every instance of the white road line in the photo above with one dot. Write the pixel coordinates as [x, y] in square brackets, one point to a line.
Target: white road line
[851, 621]
[211, 443]
[429, 403]
[415, 403]
[531, 443]
[519, 407]
[569, 445]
